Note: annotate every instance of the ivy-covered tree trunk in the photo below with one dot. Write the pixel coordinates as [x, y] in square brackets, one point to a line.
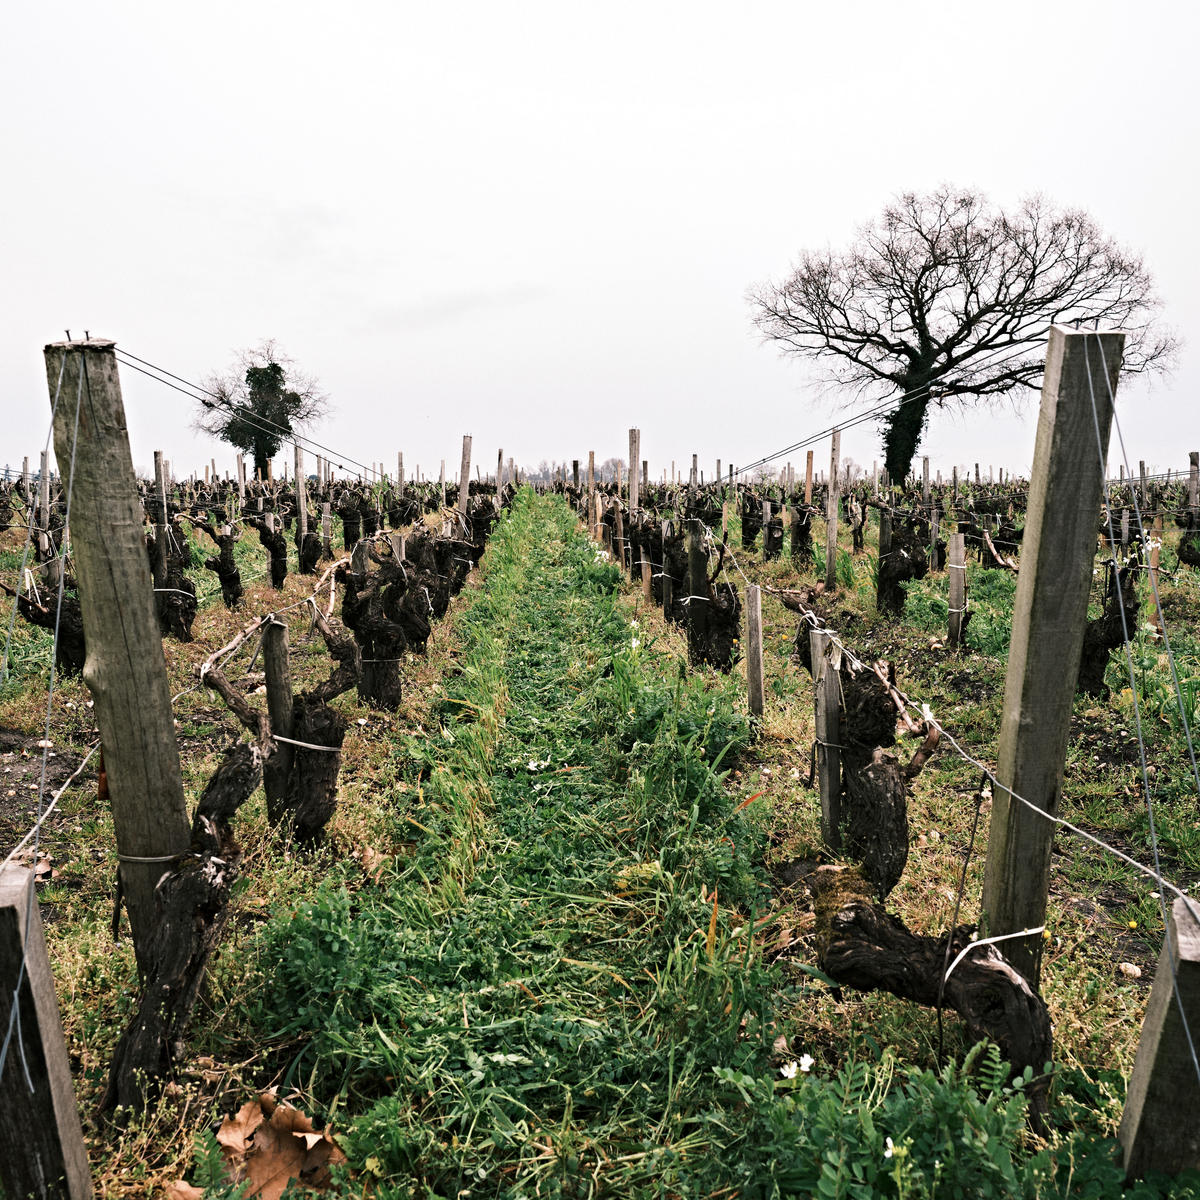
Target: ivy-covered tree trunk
[904, 427]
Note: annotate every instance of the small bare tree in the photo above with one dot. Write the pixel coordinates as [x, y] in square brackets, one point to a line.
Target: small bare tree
[259, 402]
[946, 299]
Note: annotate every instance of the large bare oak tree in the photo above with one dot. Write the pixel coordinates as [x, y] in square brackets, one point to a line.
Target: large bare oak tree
[944, 298]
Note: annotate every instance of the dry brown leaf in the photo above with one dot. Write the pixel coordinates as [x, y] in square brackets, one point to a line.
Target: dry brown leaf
[269, 1143]
[235, 1132]
[373, 863]
[184, 1191]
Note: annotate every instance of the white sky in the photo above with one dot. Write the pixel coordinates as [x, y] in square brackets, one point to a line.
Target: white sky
[536, 222]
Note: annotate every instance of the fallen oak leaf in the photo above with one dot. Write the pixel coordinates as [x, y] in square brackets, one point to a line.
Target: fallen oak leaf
[286, 1147]
[237, 1131]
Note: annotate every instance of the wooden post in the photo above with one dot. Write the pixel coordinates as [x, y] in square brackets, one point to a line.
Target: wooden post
[278, 765]
[754, 651]
[934, 530]
[1155, 548]
[1194, 482]
[500, 470]
[697, 580]
[808, 478]
[957, 565]
[44, 505]
[1049, 615]
[442, 481]
[827, 686]
[695, 470]
[241, 474]
[464, 475]
[44, 1154]
[301, 499]
[925, 481]
[1158, 1129]
[618, 531]
[885, 549]
[635, 457]
[399, 470]
[125, 669]
[647, 577]
[25, 479]
[831, 514]
[160, 526]
[326, 530]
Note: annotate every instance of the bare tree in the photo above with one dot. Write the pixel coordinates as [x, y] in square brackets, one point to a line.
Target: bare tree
[946, 299]
[259, 402]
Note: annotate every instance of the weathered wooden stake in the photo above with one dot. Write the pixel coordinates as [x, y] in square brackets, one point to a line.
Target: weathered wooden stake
[326, 530]
[957, 551]
[279, 707]
[43, 1152]
[1049, 615]
[125, 669]
[301, 499]
[1158, 1129]
[44, 505]
[635, 457]
[754, 651]
[885, 549]
[160, 526]
[464, 475]
[831, 514]
[827, 688]
[808, 478]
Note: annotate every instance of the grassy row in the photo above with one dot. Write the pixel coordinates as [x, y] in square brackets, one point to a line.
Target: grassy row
[560, 987]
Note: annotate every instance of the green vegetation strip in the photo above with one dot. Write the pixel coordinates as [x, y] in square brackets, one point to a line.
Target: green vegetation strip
[557, 991]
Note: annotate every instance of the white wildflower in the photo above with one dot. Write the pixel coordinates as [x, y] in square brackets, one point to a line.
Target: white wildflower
[890, 1149]
[806, 1063]
[789, 1069]
[635, 644]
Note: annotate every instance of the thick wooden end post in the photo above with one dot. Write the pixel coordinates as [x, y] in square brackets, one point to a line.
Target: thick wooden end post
[1049, 616]
[754, 650]
[1158, 1130]
[827, 687]
[41, 1140]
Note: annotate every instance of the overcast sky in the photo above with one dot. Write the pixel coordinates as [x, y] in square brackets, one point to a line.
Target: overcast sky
[536, 222]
